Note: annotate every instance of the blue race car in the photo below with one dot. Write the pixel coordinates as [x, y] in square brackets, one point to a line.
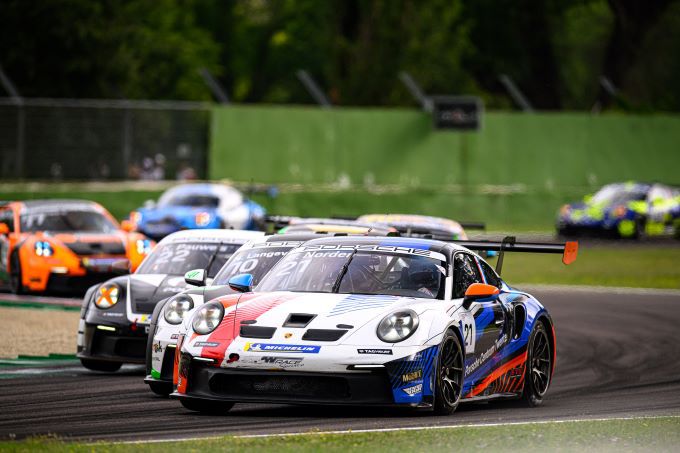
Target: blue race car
[197, 206]
[626, 210]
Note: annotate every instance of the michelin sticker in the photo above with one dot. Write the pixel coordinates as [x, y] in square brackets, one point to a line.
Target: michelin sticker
[265, 347]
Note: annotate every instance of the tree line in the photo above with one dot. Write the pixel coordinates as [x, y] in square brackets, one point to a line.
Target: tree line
[562, 54]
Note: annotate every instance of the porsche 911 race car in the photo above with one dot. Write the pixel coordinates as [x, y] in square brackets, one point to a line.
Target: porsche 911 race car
[421, 225]
[192, 206]
[626, 210]
[115, 315]
[256, 257]
[64, 246]
[366, 320]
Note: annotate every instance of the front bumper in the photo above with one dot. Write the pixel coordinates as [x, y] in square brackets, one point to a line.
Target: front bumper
[123, 344]
[207, 382]
[166, 360]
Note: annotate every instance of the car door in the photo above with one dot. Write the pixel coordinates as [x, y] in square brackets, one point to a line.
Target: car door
[489, 316]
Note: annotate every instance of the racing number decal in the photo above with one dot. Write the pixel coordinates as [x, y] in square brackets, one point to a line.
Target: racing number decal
[167, 255]
[467, 330]
[467, 333]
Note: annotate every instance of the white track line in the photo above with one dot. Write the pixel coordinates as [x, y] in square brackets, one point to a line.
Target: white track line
[387, 430]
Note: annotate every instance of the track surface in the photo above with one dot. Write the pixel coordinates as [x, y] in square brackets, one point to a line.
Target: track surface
[618, 355]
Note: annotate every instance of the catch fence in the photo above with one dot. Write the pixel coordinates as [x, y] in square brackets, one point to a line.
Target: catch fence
[68, 139]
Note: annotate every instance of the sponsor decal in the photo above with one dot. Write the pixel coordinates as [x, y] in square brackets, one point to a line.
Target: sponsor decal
[157, 347]
[321, 250]
[283, 362]
[412, 391]
[193, 274]
[266, 347]
[412, 376]
[174, 336]
[375, 351]
[206, 344]
[287, 335]
[113, 314]
[486, 354]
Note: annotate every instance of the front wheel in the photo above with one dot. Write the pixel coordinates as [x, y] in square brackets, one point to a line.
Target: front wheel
[207, 407]
[449, 375]
[15, 278]
[97, 365]
[538, 368]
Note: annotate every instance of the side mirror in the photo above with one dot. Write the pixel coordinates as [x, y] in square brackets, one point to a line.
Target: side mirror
[4, 229]
[120, 267]
[587, 198]
[127, 226]
[478, 291]
[196, 277]
[243, 283]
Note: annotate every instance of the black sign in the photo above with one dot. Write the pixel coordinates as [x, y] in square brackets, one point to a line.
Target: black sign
[457, 112]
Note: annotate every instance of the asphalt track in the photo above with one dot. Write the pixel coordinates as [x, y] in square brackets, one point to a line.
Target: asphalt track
[618, 356]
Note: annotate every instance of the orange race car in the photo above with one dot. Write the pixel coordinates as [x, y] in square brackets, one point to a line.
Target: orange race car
[64, 245]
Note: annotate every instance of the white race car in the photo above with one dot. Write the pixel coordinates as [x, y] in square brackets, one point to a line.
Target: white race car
[369, 320]
[115, 315]
[256, 257]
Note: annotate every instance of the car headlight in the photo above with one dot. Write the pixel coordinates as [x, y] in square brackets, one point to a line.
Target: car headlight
[43, 248]
[398, 326]
[107, 296]
[207, 318]
[176, 308]
[143, 246]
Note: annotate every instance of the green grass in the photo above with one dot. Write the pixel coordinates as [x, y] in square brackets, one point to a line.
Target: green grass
[612, 265]
[643, 267]
[523, 211]
[658, 434]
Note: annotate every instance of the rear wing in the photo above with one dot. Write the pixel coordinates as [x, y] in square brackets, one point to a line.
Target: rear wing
[568, 250]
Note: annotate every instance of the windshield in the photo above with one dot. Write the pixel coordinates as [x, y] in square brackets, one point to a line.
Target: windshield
[193, 200]
[254, 261]
[67, 220]
[619, 193]
[357, 272]
[180, 258]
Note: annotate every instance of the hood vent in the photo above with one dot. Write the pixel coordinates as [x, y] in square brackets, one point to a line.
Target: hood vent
[249, 331]
[298, 320]
[323, 334]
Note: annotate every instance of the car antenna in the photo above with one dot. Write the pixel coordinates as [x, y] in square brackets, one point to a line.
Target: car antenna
[507, 241]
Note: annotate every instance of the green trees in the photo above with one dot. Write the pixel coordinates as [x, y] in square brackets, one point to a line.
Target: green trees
[555, 50]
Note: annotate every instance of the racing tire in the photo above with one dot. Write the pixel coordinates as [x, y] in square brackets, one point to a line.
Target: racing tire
[640, 228]
[449, 375]
[98, 365]
[15, 277]
[538, 369]
[207, 407]
[161, 388]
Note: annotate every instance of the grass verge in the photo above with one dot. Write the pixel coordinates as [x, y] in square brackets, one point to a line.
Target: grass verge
[648, 267]
[509, 211]
[641, 434]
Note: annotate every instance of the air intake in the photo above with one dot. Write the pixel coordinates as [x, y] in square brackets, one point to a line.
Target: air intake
[298, 320]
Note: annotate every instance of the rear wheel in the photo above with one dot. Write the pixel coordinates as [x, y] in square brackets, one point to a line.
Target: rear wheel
[207, 407]
[97, 365]
[449, 375]
[15, 278]
[537, 373]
